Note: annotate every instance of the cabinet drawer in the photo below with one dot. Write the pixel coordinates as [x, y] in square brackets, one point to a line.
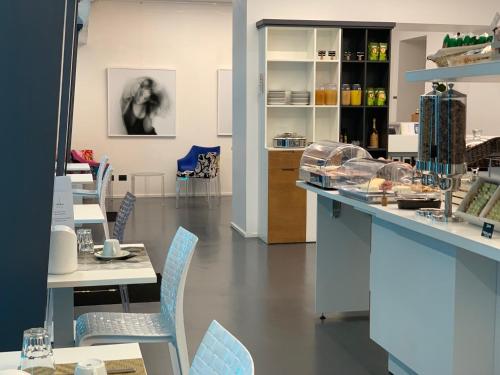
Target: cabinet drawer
[284, 159]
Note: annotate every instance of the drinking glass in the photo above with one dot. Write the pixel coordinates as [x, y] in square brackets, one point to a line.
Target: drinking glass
[85, 241]
[37, 357]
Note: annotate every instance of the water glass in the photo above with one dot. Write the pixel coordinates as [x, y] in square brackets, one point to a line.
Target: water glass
[36, 356]
[85, 241]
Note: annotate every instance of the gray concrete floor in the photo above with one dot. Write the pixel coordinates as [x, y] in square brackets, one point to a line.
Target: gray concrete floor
[263, 294]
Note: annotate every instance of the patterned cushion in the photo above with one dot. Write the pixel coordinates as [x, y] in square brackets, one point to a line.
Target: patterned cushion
[88, 155]
[206, 167]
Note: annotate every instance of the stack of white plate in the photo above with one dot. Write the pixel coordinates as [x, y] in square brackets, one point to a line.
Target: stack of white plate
[276, 97]
[300, 98]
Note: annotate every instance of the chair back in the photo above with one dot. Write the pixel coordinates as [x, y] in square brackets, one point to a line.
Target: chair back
[100, 173]
[104, 186]
[173, 281]
[221, 353]
[126, 208]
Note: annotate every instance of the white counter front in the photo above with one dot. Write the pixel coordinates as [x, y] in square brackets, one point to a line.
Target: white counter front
[431, 287]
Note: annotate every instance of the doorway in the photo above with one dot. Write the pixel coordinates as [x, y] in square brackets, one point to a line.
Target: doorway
[412, 56]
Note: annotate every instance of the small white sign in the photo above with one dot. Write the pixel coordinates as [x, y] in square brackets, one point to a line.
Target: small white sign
[62, 204]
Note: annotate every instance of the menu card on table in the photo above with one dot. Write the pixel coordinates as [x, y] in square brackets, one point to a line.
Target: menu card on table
[62, 203]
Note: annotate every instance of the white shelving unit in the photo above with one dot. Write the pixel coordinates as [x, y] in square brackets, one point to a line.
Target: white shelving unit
[290, 62]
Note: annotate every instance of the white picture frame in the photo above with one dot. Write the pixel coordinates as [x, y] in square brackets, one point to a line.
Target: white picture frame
[141, 98]
[224, 102]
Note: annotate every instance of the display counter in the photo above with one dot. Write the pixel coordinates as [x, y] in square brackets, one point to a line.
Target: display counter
[431, 287]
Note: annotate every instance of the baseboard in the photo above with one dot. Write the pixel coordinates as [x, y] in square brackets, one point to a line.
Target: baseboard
[242, 232]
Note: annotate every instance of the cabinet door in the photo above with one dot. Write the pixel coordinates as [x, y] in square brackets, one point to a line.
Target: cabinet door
[287, 202]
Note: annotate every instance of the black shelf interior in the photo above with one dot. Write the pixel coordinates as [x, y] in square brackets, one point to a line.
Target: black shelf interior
[357, 121]
[353, 40]
[351, 123]
[353, 73]
[377, 75]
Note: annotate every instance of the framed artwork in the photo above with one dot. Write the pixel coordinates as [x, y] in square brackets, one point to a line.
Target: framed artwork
[224, 102]
[141, 102]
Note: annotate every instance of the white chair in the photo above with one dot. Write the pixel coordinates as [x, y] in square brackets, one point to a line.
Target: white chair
[102, 198]
[221, 353]
[167, 326]
[85, 193]
[126, 208]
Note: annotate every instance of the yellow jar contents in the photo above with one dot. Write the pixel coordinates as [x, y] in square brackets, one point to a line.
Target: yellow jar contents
[346, 94]
[356, 95]
[331, 95]
[320, 96]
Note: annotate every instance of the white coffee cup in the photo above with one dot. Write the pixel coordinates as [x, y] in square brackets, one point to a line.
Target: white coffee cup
[91, 367]
[111, 248]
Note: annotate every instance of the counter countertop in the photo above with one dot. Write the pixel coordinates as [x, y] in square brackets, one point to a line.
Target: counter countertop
[463, 235]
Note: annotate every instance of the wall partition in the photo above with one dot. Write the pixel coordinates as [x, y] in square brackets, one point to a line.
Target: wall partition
[32, 36]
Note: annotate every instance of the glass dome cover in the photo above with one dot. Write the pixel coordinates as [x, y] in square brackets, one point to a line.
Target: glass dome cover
[369, 179]
[322, 162]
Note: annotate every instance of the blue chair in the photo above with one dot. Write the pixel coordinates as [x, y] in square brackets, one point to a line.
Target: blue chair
[166, 326]
[221, 353]
[203, 164]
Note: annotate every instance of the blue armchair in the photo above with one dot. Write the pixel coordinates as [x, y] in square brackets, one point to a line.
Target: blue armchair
[201, 163]
[187, 165]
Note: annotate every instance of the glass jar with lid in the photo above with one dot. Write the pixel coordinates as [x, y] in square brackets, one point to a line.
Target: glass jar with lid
[346, 94]
[320, 95]
[331, 94]
[356, 94]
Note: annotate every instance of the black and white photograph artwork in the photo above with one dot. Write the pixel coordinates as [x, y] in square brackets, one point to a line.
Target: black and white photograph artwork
[141, 102]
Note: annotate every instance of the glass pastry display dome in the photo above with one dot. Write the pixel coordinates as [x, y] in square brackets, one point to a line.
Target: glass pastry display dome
[369, 179]
[322, 162]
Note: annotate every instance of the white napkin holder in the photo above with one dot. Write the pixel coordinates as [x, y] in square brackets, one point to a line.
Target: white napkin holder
[63, 255]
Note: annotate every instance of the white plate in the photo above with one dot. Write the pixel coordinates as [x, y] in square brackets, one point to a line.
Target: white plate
[122, 254]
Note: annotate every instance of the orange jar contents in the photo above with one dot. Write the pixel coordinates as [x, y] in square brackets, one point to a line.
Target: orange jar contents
[356, 94]
[320, 95]
[331, 95]
[346, 94]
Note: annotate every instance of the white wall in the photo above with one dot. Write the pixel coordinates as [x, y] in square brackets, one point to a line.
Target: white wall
[424, 11]
[194, 39]
[483, 111]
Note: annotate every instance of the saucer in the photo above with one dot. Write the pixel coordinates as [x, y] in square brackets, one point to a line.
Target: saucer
[121, 255]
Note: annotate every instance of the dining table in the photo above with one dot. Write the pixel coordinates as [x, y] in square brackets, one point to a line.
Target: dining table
[88, 214]
[79, 179]
[137, 269]
[120, 354]
[77, 167]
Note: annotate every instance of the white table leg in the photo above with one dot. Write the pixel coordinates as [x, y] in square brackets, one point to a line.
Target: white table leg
[63, 302]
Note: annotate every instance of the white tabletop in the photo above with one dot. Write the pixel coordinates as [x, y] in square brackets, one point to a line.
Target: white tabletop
[10, 360]
[77, 167]
[122, 275]
[88, 214]
[463, 235]
[81, 178]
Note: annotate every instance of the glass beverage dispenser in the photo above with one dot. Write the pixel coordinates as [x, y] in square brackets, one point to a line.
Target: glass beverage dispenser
[441, 156]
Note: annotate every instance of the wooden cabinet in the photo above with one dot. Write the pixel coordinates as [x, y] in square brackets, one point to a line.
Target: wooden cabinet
[286, 202]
